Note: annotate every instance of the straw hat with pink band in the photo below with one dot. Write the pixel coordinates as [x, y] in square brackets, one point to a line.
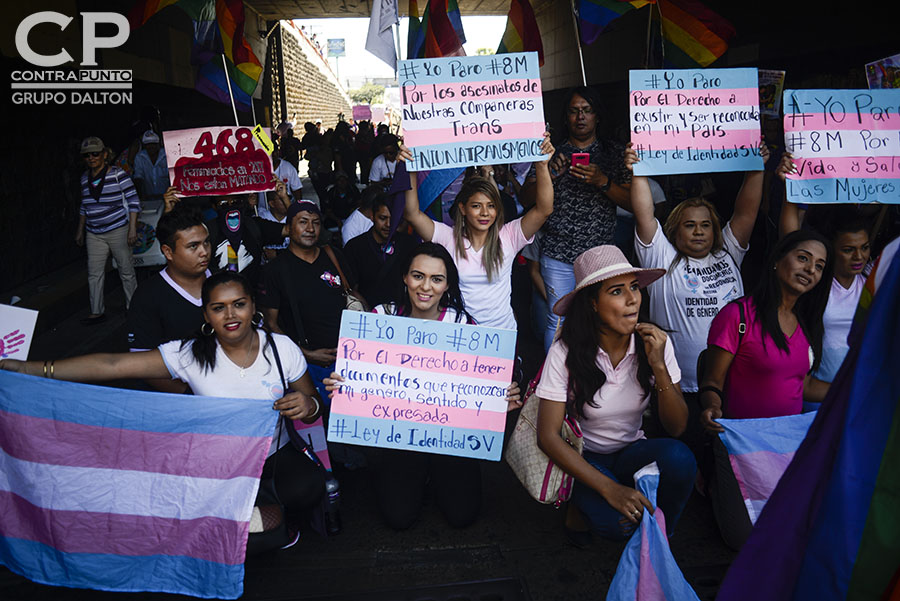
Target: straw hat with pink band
[602, 263]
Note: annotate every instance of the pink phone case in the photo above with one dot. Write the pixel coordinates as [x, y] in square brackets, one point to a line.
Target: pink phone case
[580, 158]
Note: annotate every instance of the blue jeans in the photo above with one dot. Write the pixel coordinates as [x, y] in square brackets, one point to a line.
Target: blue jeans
[559, 280]
[677, 471]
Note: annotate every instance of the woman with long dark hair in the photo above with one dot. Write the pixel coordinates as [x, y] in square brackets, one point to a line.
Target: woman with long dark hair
[848, 233]
[231, 356]
[603, 371]
[430, 290]
[761, 351]
[430, 287]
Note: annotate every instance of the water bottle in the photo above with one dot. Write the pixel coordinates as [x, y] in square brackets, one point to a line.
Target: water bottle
[332, 505]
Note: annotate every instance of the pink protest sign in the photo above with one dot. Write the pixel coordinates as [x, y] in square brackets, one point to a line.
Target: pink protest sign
[361, 112]
[695, 120]
[472, 110]
[422, 385]
[845, 144]
[215, 161]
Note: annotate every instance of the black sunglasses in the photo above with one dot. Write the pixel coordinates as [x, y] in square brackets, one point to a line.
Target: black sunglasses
[91, 154]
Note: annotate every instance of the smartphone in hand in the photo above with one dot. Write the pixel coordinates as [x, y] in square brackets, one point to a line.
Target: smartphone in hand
[580, 158]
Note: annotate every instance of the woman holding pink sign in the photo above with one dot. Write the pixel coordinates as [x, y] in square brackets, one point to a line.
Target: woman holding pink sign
[430, 291]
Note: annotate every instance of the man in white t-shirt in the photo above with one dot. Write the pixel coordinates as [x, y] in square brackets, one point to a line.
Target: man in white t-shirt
[383, 166]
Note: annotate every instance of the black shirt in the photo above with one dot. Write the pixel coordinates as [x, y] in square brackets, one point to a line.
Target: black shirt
[310, 293]
[160, 312]
[257, 233]
[379, 267]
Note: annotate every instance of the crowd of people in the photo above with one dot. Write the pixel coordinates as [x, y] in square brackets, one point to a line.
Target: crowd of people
[646, 345]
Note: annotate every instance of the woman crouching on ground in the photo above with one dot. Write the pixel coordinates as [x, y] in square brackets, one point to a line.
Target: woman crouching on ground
[603, 370]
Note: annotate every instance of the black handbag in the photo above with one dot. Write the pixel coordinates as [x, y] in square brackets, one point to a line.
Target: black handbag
[275, 533]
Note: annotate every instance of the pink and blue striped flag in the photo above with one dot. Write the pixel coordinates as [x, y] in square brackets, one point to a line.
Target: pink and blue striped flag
[647, 571]
[118, 490]
[831, 529]
[759, 451]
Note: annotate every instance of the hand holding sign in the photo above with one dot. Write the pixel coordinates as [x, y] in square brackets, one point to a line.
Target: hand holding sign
[217, 161]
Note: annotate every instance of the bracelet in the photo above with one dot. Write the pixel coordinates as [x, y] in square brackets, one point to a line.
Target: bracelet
[660, 390]
[318, 406]
[711, 389]
[45, 369]
[51, 369]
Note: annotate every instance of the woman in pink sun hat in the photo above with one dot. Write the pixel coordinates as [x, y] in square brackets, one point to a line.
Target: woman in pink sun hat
[603, 370]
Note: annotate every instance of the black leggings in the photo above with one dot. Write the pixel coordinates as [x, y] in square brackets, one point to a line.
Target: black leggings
[401, 481]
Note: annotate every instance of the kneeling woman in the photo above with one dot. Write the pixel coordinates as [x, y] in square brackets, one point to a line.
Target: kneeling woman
[602, 371]
[430, 291]
[231, 357]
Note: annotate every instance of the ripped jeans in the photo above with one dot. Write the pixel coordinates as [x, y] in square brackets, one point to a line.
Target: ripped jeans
[559, 280]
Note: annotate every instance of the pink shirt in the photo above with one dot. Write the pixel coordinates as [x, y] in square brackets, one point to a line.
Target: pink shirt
[486, 301]
[616, 420]
[763, 381]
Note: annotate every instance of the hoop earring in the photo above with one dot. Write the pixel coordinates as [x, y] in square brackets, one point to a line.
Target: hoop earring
[203, 329]
[258, 319]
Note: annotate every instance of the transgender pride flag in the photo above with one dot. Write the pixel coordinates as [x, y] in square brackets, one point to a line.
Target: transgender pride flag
[647, 571]
[759, 451]
[119, 490]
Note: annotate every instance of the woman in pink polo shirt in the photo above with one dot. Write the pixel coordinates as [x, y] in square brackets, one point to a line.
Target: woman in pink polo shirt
[602, 370]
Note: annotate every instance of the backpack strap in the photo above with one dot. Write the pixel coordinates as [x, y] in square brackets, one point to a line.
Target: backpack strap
[345, 284]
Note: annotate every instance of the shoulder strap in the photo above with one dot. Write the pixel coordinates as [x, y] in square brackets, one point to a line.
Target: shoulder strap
[742, 326]
[345, 284]
[293, 436]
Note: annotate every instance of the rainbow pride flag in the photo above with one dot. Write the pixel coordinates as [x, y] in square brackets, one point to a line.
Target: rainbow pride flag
[125, 490]
[693, 35]
[218, 29]
[831, 529]
[595, 15]
[522, 33]
[438, 33]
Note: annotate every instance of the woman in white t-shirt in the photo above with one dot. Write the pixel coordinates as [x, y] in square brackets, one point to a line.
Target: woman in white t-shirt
[482, 246]
[230, 357]
[430, 291]
[702, 260]
[601, 371]
[849, 236]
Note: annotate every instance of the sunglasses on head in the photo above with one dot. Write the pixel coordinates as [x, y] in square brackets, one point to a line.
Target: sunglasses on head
[91, 154]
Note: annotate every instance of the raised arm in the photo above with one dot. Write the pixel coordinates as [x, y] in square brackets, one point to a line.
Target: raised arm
[790, 219]
[98, 367]
[641, 199]
[421, 223]
[534, 219]
[749, 197]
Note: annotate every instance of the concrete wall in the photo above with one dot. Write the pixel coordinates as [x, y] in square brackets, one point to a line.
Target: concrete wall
[312, 89]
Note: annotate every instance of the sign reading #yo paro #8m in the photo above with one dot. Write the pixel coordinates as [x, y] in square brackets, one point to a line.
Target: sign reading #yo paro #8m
[695, 120]
[422, 385]
[472, 110]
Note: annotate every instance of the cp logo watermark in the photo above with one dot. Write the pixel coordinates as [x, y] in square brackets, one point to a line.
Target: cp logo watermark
[71, 85]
